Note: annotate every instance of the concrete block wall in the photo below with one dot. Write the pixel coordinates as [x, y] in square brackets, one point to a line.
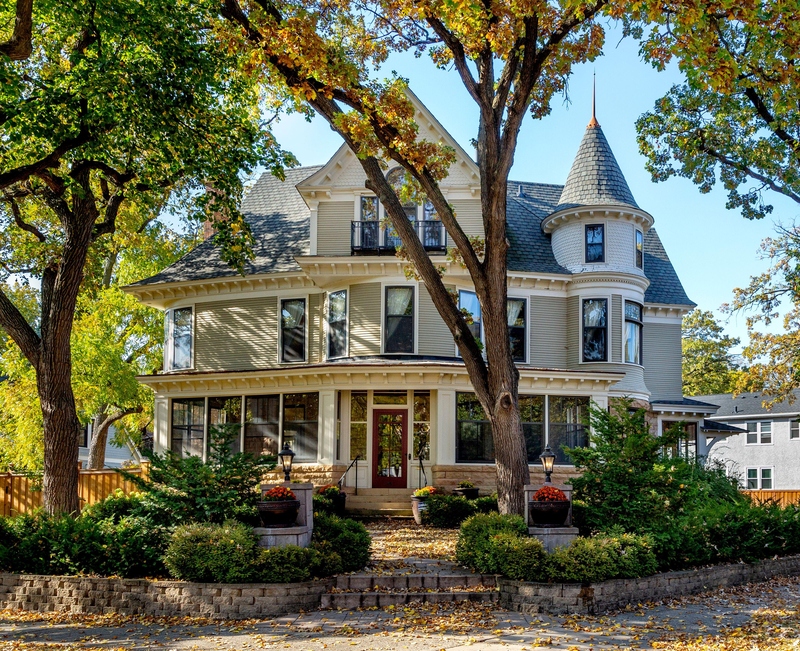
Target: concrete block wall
[97, 596]
[561, 598]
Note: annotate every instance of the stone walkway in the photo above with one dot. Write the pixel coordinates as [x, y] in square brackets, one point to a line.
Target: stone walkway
[761, 616]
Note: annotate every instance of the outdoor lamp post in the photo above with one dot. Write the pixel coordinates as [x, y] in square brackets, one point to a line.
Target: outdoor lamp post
[548, 459]
[287, 456]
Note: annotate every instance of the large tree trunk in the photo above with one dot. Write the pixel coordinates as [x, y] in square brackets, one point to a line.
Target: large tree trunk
[97, 445]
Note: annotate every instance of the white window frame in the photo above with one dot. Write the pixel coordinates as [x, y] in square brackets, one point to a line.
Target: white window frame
[624, 326]
[586, 242]
[609, 325]
[346, 290]
[638, 231]
[794, 432]
[169, 343]
[281, 299]
[469, 291]
[760, 433]
[527, 315]
[759, 470]
[384, 287]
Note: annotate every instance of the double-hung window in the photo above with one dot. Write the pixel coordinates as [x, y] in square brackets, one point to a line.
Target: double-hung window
[759, 478]
[398, 334]
[595, 330]
[759, 433]
[471, 308]
[794, 430]
[293, 330]
[633, 333]
[178, 339]
[595, 243]
[515, 312]
[337, 324]
[639, 249]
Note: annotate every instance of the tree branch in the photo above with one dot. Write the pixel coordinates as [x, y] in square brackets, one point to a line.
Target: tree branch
[459, 56]
[20, 45]
[12, 321]
[22, 224]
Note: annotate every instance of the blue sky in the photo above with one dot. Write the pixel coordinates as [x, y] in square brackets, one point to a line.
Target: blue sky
[712, 249]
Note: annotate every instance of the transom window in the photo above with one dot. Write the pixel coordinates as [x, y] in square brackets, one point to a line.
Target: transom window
[595, 330]
[337, 324]
[399, 321]
[293, 330]
[759, 479]
[633, 333]
[178, 338]
[759, 433]
[639, 250]
[595, 248]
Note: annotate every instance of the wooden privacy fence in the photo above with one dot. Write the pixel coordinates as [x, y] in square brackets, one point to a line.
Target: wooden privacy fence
[784, 498]
[22, 494]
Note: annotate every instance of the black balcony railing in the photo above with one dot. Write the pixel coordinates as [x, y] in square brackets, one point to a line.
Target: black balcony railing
[372, 237]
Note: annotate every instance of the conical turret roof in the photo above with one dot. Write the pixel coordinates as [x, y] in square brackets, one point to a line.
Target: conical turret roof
[595, 178]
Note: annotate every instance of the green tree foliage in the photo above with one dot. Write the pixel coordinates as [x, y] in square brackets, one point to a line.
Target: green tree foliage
[707, 363]
[773, 296]
[736, 117]
[118, 103]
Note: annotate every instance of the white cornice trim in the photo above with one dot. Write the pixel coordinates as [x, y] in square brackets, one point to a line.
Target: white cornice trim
[609, 277]
[664, 310]
[624, 213]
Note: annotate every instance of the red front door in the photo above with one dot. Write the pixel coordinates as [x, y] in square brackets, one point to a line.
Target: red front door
[389, 448]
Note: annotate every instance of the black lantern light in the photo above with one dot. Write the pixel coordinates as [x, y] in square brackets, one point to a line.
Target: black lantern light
[548, 459]
[287, 456]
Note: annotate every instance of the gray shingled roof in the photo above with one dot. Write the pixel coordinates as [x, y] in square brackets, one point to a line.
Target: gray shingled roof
[279, 219]
[723, 428]
[595, 177]
[749, 404]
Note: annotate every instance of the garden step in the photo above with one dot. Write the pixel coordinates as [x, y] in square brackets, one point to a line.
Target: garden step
[379, 512]
[367, 582]
[353, 600]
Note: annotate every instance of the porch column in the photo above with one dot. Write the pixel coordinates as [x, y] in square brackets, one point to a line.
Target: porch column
[161, 424]
[327, 427]
[445, 441]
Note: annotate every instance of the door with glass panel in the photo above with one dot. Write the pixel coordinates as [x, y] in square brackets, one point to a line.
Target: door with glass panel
[389, 448]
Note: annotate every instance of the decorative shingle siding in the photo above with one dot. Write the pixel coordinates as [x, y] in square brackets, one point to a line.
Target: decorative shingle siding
[434, 336]
[662, 361]
[569, 246]
[236, 334]
[548, 338]
[334, 219]
[365, 319]
[573, 330]
[619, 245]
[615, 326]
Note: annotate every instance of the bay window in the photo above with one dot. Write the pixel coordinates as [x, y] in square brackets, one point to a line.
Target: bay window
[337, 324]
[633, 333]
[179, 338]
[398, 332]
[595, 330]
[293, 330]
[301, 424]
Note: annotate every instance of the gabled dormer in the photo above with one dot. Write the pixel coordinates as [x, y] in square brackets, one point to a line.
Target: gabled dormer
[347, 219]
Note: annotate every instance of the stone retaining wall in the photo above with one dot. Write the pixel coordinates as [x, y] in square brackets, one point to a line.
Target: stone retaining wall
[160, 598]
[560, 598]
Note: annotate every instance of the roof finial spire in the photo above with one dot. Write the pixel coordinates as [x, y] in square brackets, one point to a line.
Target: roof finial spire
[593, 122]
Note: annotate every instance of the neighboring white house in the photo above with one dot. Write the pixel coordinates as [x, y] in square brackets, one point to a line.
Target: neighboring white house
[116, 456]
[327, 345]
[766, 455]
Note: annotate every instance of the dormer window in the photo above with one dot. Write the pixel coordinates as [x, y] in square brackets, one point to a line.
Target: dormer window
[595, 243]
[178, 331]
[639, 251]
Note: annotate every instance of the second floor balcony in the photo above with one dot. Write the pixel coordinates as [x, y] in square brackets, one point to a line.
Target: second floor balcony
[372, 237]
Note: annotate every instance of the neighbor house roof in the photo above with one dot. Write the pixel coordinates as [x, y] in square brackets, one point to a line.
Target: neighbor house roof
[721, 428]
[279, 219]
[750, 404]
[595, 177]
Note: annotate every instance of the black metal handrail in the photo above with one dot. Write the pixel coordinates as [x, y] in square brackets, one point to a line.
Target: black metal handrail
[354, 462]
[370, 236]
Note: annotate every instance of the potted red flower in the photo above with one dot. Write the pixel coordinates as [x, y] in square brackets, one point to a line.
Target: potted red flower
[548, 507]
[278, 507]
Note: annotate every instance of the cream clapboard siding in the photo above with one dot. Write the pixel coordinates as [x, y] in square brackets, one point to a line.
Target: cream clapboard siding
[333, 227]
[468, 214]
[434, 336]
[365, 319]
[615, 324]
[633, 382]
[661, 356]
[573, 330]
[236, 335]
[548, 338]
[314, 317]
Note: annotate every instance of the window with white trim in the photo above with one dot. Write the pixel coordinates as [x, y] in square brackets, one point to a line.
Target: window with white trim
[515, 313]
[595, 243]
[633, 333]
[471, 308]
[337, 324]
[794, 430]
[595, 330]
[639, 249]
[178, 338]
[759, 433]
[293, 330]
[759, 479]
[398, 333]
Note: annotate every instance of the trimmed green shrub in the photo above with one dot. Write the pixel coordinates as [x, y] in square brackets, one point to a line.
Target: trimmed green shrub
[589, 560]
[486, 504]
[208, 552]
[290, 564]
[474, 546]
[521, 559]
[116, 506]
[322, 504]
[135, 547]
[447, 511]
[346, 537]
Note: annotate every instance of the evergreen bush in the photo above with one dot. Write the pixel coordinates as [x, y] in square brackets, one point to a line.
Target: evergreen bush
[474, 546]
[348, 538]
[206, 552]
[447, 511]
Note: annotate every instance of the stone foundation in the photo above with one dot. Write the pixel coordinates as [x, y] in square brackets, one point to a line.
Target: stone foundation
[561, 598]
[485, 476]
[311, 473]
[97, 596]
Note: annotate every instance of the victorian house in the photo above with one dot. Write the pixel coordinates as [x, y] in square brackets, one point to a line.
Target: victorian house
[327, 345]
